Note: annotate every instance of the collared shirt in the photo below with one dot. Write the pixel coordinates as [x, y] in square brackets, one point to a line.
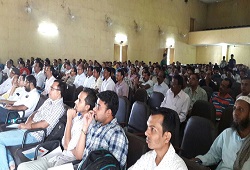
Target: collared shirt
[77, 124]
[162, 88]
[79, 80]
[6, 85]
[71, 80]
[150, 89]
[198, 94]
[98, 84]
[122, 88]
[50, 112]
[29, 100]
[40, 79]
[110, 137]
[221, 103]
[108, 84]
[170, 161]
[224, 150]
[89, 82]
[128, 81]
[18, 94]
[179, 103]
[48, 84]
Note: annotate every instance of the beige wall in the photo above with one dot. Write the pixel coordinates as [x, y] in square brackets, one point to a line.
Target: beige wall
[228, 13]
[88, 35]
[206, 54]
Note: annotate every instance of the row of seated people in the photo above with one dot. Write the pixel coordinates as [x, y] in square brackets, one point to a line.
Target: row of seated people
[160, 126]
[51, 89]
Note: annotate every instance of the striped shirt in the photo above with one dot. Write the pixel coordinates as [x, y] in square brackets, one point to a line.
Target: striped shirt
[221, 103]
[50, 112]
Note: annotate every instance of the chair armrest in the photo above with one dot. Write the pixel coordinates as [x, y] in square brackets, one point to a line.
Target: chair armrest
[53, 143]
[33, 130]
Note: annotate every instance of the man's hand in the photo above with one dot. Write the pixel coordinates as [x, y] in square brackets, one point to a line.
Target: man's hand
[71, 114]
[22, 126]
[87, 119]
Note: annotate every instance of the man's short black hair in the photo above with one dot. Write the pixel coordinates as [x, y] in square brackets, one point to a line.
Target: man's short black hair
[97, 69]
[31, 79]
[180, 80]
[91, 97]
[61, 86]
[110, 99]
[121, 71]
[168, 123]
[108, 69]
[40, 65]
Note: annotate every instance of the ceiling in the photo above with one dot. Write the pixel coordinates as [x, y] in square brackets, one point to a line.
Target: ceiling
[211, 1]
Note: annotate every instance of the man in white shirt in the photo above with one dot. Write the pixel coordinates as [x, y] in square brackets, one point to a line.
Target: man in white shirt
[49, 70]
[162, 156]
[7, 84]
[98, 79]
[147, 84]
[161, 86]
[90, 79]
[80, 77]
[27, 102]
[176, 99]
[85, 102]
[108, 83]
[39, 75]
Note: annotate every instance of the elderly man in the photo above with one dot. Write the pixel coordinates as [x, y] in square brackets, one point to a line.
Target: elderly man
[80, 77]
[85, 102]
[47, 117]
[161, 86]
[160, 127]
[231, 149]
[26, 102]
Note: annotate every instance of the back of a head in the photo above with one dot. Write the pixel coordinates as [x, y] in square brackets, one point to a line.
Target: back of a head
[110, 98]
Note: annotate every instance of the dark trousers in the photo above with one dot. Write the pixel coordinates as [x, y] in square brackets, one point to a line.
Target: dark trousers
[4, 113]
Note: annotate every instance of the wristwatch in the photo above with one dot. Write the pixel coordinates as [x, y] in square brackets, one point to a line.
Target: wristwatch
[198, 161]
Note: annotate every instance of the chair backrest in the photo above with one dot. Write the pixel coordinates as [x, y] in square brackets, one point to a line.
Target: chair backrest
[226, 119]
[176, 134]
[41, 101]
[69, 95]
[155, 100]
[141, 95]
[209, 91]
[199, 135]
[123, 111]
[138, 117]
[137, 146]
[204, 109]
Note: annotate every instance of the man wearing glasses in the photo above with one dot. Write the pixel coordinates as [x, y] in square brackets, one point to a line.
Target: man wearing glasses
[27, 102]
[47, 116]
[80, 77]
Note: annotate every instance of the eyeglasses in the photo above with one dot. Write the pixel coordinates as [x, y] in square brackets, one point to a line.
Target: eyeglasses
[52, 88]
